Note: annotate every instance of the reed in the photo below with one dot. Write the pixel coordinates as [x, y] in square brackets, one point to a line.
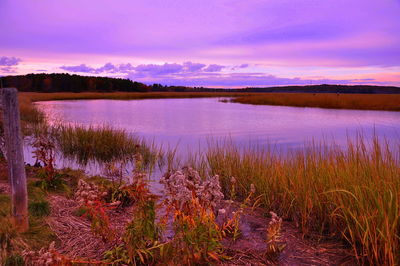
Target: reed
[101, 144]
[388, 102]
[36, 96]
[352, 194]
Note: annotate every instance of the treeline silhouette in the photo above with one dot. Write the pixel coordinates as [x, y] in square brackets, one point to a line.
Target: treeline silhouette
[71, 83]
[329, 88]
[76, 83]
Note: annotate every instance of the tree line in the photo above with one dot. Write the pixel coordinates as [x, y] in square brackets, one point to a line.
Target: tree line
[71, 83]
[75, 83]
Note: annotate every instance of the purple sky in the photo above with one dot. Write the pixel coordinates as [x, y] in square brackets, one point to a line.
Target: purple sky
[221, 43]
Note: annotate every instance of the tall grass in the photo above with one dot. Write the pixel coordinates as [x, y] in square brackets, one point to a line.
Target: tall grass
[28, 112]
[101, 144]
[29, 116]
[389, 102]
[352, 193]
[36, 96]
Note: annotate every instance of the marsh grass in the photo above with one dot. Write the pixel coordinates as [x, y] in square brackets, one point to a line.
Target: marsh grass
[101, 144]
[352, 194]
[29, 113]
[36, 96]
[388, 102]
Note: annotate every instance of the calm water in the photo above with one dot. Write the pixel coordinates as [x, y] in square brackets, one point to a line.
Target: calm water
[190, 122]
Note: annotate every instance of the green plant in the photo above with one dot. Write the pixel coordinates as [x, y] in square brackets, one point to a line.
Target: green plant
[7, 235]
[141, 244]
[14, 260]
[50, 181]
[192, 200]
[50, 178]
[81, 211]
[96, 212]
[231, 227]
[10, 240]
[39, 208]
[197, 236]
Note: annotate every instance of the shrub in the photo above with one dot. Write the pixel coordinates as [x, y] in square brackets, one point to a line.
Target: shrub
[141, 239]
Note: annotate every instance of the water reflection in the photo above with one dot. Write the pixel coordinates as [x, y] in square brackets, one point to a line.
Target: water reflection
[190, 122]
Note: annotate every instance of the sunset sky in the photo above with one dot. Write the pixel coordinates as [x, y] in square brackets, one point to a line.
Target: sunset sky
[213, 43]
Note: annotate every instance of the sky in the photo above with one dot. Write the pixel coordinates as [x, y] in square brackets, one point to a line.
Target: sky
[211, 43]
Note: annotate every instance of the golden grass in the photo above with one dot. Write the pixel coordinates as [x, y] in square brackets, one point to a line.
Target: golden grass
[388, 102]
[36, 96]
[102, 144]
[352, 194]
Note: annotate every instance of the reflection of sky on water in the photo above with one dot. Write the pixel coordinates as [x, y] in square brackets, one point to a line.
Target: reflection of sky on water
[191, 122]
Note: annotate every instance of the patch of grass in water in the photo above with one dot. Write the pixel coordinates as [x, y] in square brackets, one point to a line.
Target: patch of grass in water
[387, 102]
[102, 144]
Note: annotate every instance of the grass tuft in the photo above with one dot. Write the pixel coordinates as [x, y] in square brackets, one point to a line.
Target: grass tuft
[39, 208]
[101, 144]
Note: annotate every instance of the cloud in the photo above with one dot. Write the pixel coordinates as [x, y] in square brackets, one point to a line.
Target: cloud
[107, 68]
[9, 61]
[152, 69]
[232, 80]
[7, 64]
[193, 67]
[81, 68]
[198, 74]
[214, 68]
[265, 31]
[146, 69]
[235, 80]
[240, 66]
[8, 70]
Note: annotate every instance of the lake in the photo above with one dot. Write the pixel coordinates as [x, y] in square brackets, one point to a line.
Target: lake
[190, 123]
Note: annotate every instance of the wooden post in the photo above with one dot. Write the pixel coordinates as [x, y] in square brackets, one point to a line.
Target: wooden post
[15, 158]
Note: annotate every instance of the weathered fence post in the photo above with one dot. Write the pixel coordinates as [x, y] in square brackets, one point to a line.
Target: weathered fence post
[15, 158]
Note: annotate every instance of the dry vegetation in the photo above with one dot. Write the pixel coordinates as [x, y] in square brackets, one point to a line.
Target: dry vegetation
[388, 102]
[36, 96]
[351, 194]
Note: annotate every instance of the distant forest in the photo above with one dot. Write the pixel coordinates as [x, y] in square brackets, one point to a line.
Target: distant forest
[77, 83]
